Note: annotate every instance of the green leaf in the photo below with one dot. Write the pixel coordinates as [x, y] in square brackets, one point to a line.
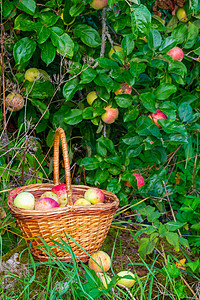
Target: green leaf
[40, 89]
[141, 20]
[106, 63]
[24, 22]
[167, 44]
[76, 10]
[114, 160]
[179, 33]
[177, 67]
[43, 32]
[164, 90]
[90, 163]
[173, 239]
[148, 100]
[70, 88]
[101, 176]
[48, 52]
[73, 117]
[146, 246]
[173, 226]
[193, 265]
[196, 226]
[28, 6]
[128, 43]
[155, 39]
[87, 75]
[131, 114]
[193, 33]
[42, 107]
[88, 35]
[48, 18]
[185, 112]
[107, 143]
[134, 152]
[124, 100]
[23, 50]
[63, 43]
[132, 140]
[50, 138]
[114, 186]
[107, 82]
[194, 4]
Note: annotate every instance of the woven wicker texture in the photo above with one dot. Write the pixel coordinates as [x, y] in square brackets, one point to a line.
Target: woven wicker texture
[82, 227]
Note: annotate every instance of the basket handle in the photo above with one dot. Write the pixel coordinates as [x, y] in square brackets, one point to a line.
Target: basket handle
[60, 135]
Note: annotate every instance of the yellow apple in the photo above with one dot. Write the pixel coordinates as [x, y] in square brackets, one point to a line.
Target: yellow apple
[91, 97]
[126, 281]
[117, 49]
[181, 15]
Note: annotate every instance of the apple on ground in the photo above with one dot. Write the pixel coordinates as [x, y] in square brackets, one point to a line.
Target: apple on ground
[14, 101]
[105, 279]
[45, 203]
[128, 281]
[94, 196]
[24, 200]
[99, 261]
[99, 4]
[82, 201]
[157, 116]
[110, 115]
[139, 179]
[181, 15]
[125, 89]
[32, 74]
[91, 97]
[51, 195]
[176, 53]
[116, 49]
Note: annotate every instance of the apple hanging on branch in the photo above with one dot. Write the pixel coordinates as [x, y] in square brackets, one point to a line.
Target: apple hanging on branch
[110, 115]
[99, 4]
[176, 53]
[14, 101]
[139, 179]
[125, 89]
[157, 116]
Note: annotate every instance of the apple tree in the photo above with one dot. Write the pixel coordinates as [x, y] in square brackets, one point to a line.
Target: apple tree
[120, 77]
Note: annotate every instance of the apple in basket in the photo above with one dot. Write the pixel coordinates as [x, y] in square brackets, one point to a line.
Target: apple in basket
[60, 191]
[51, 195]
[82, 201]
[45, 203]
[99, 261]
[24, 200]
[94, 195]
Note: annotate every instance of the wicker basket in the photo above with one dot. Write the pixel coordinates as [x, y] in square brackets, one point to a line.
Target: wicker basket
[82, 227]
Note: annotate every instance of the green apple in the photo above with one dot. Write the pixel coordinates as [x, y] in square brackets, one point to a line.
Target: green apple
[127, 279]
[25, 200]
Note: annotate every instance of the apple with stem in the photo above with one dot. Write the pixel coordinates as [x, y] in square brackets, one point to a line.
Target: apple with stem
[110, 115]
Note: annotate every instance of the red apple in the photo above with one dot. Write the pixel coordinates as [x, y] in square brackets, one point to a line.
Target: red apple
[99, 4]
[94, 196]
[102, 259]
[59, 189]
[139, 179]
[157, 116]
[176, 53]
[14, 102]
[46, 203]
[125, 89]
[110, 115]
